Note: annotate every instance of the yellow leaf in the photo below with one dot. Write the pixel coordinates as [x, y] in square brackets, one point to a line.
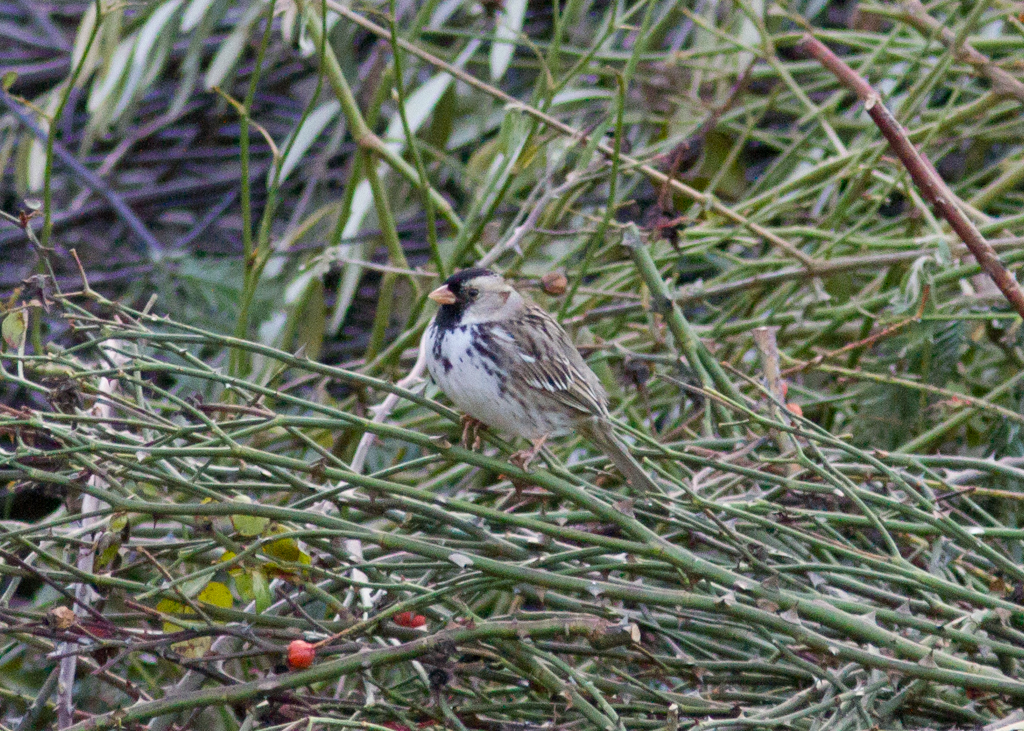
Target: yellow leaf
[169, 606]
[194, 648]
[217, 594]
[287, 549]
[234, 570]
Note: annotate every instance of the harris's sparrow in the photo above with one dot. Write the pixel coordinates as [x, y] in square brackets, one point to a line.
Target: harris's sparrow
[507, 363]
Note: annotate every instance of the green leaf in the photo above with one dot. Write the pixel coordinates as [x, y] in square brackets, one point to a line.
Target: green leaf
[111, 81]
[169, 606]
[261, 590]
[194, 648]
[195, 12]
[248, 525]
[287, 549]
[418, 107]
[243, 582]
[35, 170]
[231, 50]
[82, 38]
[304, 137]
[192, 587]
[312, 321]
[508, 27]
[107, 548]
[14, 327]
[149, 53]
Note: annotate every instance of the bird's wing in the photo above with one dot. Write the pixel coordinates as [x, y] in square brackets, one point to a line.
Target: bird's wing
[546, 360]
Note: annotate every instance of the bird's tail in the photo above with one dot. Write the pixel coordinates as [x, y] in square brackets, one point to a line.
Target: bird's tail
[600, 432]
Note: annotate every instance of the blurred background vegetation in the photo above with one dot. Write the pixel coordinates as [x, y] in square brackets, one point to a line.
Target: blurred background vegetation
[260, 194]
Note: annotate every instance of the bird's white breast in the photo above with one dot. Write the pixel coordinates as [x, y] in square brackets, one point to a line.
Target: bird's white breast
[457, 360]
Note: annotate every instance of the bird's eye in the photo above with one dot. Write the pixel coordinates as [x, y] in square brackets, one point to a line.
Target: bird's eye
[472, 293]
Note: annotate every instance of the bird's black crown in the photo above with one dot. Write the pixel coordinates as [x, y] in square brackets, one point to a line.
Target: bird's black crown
[455, 281]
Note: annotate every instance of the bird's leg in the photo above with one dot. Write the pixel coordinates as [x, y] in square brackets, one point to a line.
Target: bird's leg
[523, 457]
[471, 428]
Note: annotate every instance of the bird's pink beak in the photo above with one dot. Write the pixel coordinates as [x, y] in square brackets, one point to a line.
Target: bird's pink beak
[443, 296]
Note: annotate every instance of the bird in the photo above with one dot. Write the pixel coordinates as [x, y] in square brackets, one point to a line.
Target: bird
[508, 364]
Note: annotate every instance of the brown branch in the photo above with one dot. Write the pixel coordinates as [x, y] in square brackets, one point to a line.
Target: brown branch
[867, 342]
[925, 177]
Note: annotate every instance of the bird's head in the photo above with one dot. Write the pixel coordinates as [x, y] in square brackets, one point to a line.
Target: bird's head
[474, 296]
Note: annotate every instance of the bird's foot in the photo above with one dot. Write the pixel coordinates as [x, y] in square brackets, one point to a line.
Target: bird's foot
[471, 428]
[523, 457]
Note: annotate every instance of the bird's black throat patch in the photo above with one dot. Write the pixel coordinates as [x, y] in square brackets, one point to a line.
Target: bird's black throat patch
[449, 316]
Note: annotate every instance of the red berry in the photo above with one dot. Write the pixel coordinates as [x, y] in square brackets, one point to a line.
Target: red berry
[408, 619]
[300, 654]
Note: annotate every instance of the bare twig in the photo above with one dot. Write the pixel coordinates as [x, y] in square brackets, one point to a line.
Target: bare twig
[650, 171]
[383, 411]
[87, 177]
[42, 18]
[1003, 82]
[768, 346]
[536, 211]
[864, 342]
[85, 595]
